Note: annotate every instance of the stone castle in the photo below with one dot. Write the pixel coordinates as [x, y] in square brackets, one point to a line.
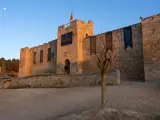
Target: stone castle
[136, 51]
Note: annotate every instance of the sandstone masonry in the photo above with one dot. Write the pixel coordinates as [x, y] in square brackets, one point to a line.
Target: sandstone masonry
[142, 62]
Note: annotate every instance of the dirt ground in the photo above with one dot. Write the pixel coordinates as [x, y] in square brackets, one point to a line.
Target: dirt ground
[48, 104]
[109, 114]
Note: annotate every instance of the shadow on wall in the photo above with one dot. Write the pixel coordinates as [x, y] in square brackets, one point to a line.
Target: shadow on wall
[77, 68]
[87, 67]
[90, 68]
[132, 74]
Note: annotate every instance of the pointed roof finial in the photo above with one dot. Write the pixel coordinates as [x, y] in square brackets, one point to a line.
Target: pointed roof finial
[71, 17]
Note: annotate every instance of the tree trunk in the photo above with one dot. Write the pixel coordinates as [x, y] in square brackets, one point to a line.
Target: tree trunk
[103, 90]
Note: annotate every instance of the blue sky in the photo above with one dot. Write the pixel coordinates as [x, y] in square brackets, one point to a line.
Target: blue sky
[33, 22]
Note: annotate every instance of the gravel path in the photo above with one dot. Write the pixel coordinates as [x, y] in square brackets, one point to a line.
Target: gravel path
[42, 104]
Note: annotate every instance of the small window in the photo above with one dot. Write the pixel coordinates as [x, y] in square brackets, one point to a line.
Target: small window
[41, 56]
[49, 54]
[34, 58]
[128, 37]
[108, 38]
[93, 45]
[66, 39]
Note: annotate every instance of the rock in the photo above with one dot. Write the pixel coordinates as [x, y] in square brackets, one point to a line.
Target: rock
[109, 114]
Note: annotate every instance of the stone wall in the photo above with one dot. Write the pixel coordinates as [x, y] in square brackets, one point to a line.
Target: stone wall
[46, 66]
[68, 51]
[62, 81]
[85, 29]
[24, 63]
[89, 60]
[129, 61]
[72, 52]
[151, 47]
[28, 68]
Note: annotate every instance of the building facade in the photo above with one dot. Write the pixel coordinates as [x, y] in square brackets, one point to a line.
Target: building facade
[136, 51]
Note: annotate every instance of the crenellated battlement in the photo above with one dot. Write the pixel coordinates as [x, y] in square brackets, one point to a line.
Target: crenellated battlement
[44, 44]
[23, 49]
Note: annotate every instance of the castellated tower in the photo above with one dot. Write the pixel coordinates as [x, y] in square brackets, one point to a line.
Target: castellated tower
[69, 46]
[25, 62]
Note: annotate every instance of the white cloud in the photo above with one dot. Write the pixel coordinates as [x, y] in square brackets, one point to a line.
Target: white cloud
[4, 9]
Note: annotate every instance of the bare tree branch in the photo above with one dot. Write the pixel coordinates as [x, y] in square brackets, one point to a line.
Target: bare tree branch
[104, 55]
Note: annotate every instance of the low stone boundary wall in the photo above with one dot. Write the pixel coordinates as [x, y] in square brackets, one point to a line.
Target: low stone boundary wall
[61, 81]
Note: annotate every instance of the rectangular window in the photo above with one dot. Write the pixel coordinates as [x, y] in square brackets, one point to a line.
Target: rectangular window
[93, 45]
[128, 37]
[41, 56]
[34, 58]
[108, 38]
[66, 39]
[49, 54]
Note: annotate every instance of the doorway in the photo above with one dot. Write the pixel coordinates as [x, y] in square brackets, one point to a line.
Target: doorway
[67, 66]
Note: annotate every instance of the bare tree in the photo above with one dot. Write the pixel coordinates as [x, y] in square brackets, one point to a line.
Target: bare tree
[104, 55]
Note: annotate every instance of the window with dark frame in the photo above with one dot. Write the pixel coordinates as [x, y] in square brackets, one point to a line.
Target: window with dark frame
[128, 37]
[49, 54]
[93, 45]
[66, 39]
[108, 38]
[34, 58]
[41, 56]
